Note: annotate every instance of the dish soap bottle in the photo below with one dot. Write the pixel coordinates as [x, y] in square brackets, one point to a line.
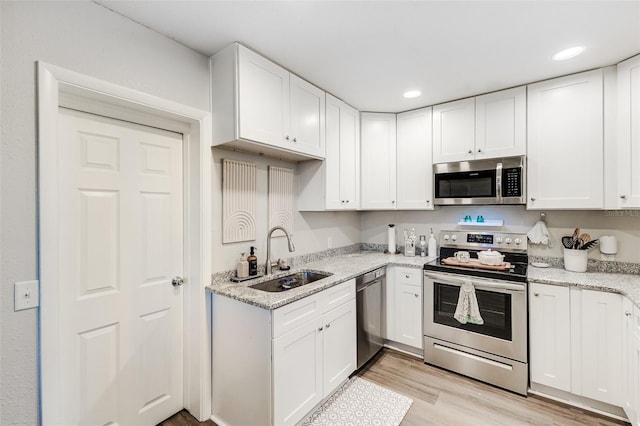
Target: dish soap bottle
[243, 267]
[432, 245]
[253, 262]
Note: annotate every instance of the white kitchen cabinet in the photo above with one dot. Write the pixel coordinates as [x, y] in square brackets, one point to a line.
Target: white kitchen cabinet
[549, 335]
[635, 368]
[565, 142]
[258, 106]
[414, 177]
[408, 306]
[334, 184]
[629, 364]
[378, 161]
[274, 367]
[628, 139]
[454, 131]
[297, 372]
[575, 342]
[601, 346]
[501, 124]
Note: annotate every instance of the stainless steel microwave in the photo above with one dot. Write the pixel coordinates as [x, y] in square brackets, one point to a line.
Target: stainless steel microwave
[492, 181]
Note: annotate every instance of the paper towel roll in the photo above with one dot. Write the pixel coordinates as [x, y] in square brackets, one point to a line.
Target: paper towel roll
[608, 245]
[391, 239]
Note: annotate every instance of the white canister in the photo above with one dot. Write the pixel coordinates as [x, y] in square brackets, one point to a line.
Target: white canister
[391, 239]
[575, 260]
[608, 245]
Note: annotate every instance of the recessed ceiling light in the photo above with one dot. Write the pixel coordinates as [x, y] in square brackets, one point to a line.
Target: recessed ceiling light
[568, 53]
[412, 94]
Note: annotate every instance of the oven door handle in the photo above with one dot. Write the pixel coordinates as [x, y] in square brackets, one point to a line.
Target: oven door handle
[448, 279]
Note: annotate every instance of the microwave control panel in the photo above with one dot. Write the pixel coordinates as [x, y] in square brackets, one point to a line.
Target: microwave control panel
[512, 182]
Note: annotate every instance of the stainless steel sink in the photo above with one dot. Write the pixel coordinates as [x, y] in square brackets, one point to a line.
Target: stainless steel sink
[290, 281]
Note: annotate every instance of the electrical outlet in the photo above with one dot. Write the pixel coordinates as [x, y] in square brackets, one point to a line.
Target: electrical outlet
[26, 295]
[329, 242]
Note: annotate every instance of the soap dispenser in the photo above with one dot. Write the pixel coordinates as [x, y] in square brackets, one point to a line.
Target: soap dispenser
[243, 267]
[253, 262]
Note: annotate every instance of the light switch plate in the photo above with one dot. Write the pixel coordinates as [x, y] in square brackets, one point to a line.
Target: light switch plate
[26, 295]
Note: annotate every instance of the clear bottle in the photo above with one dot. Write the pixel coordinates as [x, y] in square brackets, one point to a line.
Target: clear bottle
[433, 250]
[423, 246]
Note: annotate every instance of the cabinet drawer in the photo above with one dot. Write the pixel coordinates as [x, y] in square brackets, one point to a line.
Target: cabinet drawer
[410, 276]
[337, 295]
[297, 313]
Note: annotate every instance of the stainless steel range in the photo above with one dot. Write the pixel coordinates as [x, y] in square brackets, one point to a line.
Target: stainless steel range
[496, 351]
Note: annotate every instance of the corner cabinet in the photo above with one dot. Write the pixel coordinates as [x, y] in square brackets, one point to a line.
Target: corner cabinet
[274, 367]
[565, 143]
[258, 106]
[629, 133]
[378, 161]
[414, 177]
[576, 343]
[334, 184]
[488, 126]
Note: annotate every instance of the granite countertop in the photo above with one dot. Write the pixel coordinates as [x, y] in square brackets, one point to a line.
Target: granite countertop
[626, 284]
[344, 267]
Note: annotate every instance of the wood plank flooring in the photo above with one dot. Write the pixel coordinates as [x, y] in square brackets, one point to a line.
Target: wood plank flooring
[444, 398]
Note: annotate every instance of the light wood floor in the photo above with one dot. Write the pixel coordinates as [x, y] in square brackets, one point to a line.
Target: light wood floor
[444, 398]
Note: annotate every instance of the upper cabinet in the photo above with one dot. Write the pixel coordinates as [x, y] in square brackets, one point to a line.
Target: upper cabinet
[628, 164]
[334, 184]
[258, 106]
[565, 142]
[414, 177]
[378, 161]
[487, 126]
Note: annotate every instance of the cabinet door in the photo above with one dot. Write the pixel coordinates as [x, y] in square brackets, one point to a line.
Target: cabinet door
[307, 111]
[350, 157]
[501, 124]
[565, 143]
[339, 345]
[297, 372]
[454, 131]
[263, 99]
[550, 335]
[629, 133]
[635, 369]
[601, 346]
[408, 310]
[333, 158]
[414, 185]
[629, 371]
[378, 160]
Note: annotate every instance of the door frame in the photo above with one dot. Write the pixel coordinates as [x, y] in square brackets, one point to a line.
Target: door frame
[59, 87]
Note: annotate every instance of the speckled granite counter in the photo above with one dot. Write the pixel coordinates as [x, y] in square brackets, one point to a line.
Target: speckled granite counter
[626, 284]
[343, 267]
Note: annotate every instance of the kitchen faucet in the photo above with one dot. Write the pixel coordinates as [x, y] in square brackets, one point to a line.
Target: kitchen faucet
[292, 248]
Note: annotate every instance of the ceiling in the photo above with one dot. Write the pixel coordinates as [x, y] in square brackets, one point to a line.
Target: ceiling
[369, 53]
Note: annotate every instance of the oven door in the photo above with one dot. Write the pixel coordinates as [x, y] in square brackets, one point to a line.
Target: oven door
[503, 307]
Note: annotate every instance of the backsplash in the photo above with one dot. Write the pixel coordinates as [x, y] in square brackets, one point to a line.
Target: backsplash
[593, 265]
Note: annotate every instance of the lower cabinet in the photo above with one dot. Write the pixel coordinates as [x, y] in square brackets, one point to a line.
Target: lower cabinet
[274, 367]
[404, 306]
[576, 341]
[631, 362]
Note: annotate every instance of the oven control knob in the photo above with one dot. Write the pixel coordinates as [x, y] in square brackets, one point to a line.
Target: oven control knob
[507, 240]
[517, 241]
[454, 237]
[446, 237]
[499, 240]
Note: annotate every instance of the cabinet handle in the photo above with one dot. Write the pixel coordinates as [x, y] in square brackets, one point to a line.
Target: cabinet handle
[287, 137]
[327, 326]
[416, 295]
[428, 201]
[393, 202]
[470, 151]
[406, 276]
[321, 328]
[533, 199]
[479, 150]
[627, 313]
[347, 201]
[536, 294]
[623, 196]
[295, 139]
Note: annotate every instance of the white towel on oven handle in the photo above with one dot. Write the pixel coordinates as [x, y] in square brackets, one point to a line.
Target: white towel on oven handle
[467, 310]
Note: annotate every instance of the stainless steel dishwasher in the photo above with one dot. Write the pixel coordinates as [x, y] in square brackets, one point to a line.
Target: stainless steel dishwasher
[369, 308]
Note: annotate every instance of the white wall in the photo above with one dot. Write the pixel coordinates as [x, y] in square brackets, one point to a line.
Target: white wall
[624, 224]
[89, 39]
[310, 233]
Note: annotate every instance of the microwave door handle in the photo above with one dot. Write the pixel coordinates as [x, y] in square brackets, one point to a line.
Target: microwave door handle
[499, 182]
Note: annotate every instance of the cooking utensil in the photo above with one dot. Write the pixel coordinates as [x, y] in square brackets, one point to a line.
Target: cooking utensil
[567, 242]
[589, 244]
[576, 236]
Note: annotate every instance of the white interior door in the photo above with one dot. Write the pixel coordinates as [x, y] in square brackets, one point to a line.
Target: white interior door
[120, 245]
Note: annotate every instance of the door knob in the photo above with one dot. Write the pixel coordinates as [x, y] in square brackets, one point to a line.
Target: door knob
[321, 328]
[470, 151]
[287, 137]
[533, 199]
[295, 139]
[416, 295]
[177, 281]
[536, 294]
[327, 326]
[479, 150]
[623, 196]
[627, 313]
